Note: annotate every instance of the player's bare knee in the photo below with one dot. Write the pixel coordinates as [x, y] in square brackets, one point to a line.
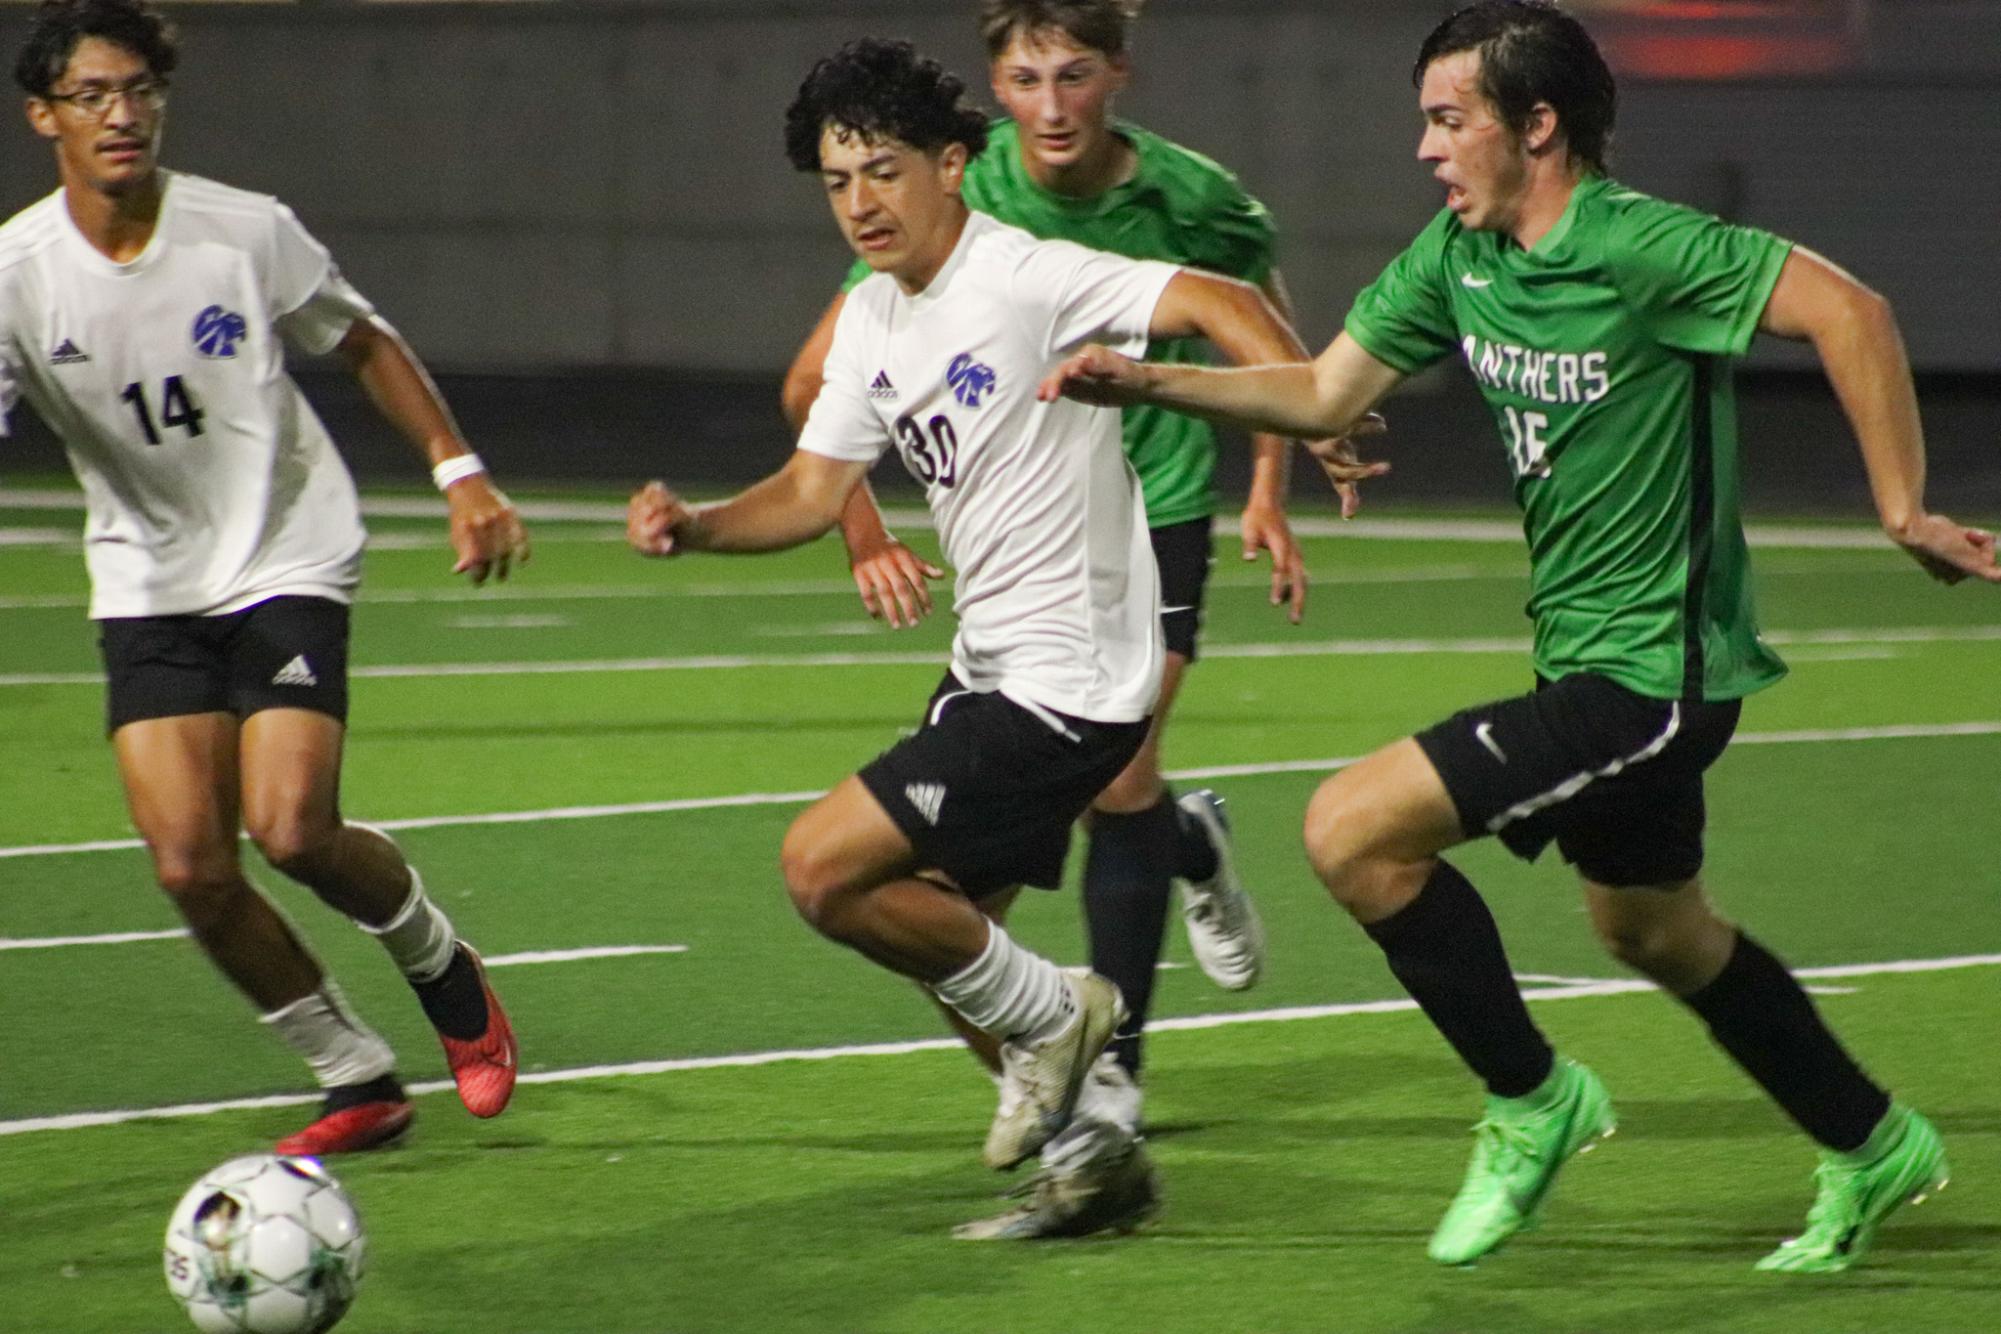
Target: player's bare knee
[1136, 789]
[812, 879]
[1336, 845]
[204, 889]
[300, 846]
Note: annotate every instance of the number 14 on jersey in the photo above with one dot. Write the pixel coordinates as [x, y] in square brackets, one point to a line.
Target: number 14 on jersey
[178, 409]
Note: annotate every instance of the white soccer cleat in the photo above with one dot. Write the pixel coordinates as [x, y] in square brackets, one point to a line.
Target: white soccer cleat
[1223, 925]
[1114, 1190]
[1110, 1095]
[1047, 1077]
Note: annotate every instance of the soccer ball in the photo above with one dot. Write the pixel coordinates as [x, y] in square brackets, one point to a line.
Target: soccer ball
[265, 1245]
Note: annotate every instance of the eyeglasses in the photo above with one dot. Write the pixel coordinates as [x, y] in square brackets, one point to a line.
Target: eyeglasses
[96, 102]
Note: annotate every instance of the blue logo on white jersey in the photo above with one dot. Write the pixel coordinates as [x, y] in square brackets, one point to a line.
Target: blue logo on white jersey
[971, 380]
[218, 331]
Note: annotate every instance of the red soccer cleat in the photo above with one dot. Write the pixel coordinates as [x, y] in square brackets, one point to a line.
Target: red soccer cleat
[366, 1125]
[484, 1067]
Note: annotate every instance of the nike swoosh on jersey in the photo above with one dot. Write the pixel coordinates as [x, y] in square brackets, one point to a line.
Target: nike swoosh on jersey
[1470, 281]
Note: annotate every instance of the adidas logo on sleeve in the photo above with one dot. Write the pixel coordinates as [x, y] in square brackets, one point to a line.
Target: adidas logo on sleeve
[67, 353]
[880, 388]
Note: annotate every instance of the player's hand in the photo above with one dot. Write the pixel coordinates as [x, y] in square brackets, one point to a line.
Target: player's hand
[651, 517]
[891, 579]
[1264, 529]
[1345, 467]
[1095, 375]
[1949, 551]
[486, 530]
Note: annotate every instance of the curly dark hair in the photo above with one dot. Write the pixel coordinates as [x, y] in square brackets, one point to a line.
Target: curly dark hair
[1530, 52]
[60, 24]
[880, 90]
[1097, 25]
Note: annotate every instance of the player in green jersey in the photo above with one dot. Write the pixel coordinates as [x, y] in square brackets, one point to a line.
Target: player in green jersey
[1599, 324]
[1062, 167]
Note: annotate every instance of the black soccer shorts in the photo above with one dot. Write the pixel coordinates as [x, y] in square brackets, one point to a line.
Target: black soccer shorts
[1613, 777]
[1183, 553]
[986, 789]
[282, 653]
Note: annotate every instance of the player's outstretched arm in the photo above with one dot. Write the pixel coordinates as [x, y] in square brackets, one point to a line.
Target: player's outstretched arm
[486, 531]
[793, 506]
[889, 575]
[1315, 401]
[1855, 333]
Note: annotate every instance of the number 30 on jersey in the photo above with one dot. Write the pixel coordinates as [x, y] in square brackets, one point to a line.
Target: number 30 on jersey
[932, 457]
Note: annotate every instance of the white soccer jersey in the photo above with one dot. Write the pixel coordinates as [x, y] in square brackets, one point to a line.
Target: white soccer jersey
[1058, 596]
[210, 483]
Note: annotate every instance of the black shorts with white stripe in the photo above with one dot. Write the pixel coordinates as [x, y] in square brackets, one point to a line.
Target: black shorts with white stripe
[1613, 777]
[281, 653]
[1183, 553]
[987, 788]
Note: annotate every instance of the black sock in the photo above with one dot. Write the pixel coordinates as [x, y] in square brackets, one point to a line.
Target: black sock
[1762, 1016]
[1195, 856]
[454, 1001]
[1445, 949]
[383, 1088]
[1126, 875]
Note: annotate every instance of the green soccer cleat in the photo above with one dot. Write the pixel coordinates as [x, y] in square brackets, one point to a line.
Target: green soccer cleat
[1517, 1148]
[1904, 1160]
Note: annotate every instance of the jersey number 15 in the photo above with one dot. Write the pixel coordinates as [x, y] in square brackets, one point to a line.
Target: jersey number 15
[177, 408]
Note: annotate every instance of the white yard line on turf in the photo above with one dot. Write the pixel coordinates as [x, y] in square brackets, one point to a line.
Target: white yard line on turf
[1288, 1014]
[1809, 536]
[1801, 736]
[517, 960]
[1325, 648]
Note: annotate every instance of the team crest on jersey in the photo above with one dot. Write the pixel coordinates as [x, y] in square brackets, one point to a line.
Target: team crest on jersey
[218, 331]
[971, 380]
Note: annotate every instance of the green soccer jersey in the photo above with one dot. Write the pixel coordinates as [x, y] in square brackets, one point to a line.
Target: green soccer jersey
[1180, 207]
[1604, 354]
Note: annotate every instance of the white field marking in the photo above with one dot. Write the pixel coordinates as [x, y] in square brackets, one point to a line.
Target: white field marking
[571, 956]
[1831, 991]
[850, 629]
[1803, 736]
[423, 506]
[115, 938]
[518, 622]
[491, 961]
[798, 588]
[85, 1120]
[1330, 648]
[1833, 653]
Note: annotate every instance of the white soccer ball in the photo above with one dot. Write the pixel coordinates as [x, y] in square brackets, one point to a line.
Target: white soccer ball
[265, 1245]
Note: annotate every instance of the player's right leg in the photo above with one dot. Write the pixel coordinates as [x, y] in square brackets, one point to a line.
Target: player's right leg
[288, 682]
[1374, 833]
[180, 778]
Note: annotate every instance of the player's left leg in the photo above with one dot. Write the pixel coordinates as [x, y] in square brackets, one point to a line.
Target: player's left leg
[291, 771]
[856, 878]
[1875, 1154]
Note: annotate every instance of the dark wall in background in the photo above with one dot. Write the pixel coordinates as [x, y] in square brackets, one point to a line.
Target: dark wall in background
[536, 185]
[621, 426]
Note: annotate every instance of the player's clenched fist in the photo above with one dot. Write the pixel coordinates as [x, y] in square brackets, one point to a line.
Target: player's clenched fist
[651, 518]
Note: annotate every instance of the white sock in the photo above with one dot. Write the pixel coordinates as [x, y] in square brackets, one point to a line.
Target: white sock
[1010, 992]
[419, 937]
[338, 1046]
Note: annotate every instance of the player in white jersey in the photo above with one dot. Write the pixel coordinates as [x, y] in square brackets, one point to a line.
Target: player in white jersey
[144, 314]
[1058, 657]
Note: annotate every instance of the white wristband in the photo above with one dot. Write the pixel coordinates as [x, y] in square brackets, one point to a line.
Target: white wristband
[456, 469]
